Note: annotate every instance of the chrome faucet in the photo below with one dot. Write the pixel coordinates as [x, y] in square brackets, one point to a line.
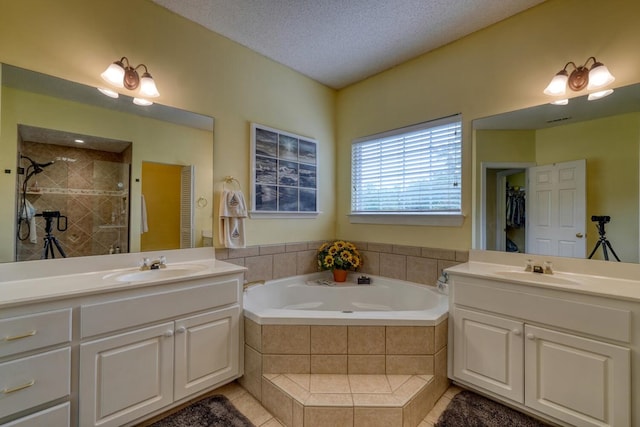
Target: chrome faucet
[157, 264]
[144, 265]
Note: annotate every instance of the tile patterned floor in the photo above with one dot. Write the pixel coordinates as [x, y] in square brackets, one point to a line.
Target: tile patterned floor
[259, 416]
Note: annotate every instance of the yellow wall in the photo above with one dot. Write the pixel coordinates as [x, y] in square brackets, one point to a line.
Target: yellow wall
[501, 68]
[498, 69]
[195, 70]
[161, 190]
[153, 140]
[611, 148]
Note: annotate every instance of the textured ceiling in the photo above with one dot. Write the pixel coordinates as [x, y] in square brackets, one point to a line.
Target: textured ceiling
[340, 42]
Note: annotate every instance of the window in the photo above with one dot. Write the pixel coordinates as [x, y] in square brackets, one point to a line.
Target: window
[413, 171]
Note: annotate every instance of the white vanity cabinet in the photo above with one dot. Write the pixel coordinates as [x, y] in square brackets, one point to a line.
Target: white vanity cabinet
[35, 368]
[556, 354]
[141, 353]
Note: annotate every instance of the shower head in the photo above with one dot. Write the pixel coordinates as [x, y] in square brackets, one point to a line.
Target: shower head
[35, 167]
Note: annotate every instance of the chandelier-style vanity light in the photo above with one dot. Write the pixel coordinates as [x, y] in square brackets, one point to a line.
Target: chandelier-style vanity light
[593, 79]
[122, 75]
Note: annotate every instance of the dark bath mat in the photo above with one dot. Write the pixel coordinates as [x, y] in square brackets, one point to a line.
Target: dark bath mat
[468, 409]
[214, 411]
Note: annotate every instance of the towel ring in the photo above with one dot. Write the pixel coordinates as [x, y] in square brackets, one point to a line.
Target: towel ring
[231, 180]
[202, 202]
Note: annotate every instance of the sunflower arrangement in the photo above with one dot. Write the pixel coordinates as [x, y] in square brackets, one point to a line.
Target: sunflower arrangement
[339, 255]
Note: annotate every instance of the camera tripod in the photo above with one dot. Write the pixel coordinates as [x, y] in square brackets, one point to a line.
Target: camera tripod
[603, 241]
[49, 239]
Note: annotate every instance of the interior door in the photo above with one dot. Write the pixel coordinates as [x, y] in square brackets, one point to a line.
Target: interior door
[556, 206]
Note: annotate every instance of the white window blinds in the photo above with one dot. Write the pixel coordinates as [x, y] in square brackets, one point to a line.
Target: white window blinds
[416, 169]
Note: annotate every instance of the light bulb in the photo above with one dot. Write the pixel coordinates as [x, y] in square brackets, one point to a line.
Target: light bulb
[148, 86]
[558, 85]
[114, 74]
[142, 101]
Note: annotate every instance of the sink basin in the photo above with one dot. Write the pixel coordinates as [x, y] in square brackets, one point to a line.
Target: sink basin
[136, 275]
[552, 279]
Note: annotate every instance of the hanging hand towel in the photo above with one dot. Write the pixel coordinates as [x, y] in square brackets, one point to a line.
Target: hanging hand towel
[232, 212]
[29, 213]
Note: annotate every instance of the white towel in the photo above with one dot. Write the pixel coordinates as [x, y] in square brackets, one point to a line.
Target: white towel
[232, 212]
[144, 226]
[29, 213]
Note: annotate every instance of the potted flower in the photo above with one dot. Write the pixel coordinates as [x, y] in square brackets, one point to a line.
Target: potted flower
[340, 257]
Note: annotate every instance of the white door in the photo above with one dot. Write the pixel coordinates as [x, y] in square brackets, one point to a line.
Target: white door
[580, 381]
[488, 352]
[206, 350]
[556, 209]
[125, 376]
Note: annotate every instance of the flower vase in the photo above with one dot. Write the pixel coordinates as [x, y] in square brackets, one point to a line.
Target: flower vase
[339, 275]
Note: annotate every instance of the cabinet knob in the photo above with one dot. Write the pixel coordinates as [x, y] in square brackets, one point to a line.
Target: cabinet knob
[579, 235]
[516, 332]
[531, 337]
[181, 330]
[168, 333]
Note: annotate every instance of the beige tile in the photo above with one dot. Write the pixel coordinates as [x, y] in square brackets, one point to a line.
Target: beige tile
[292, 388]
[441, 334]
[406, 250]
[421, 404]
[395, 381]
[303, 380]
[285, 339]
[372, 400]
[325, 417]
[461, 256]
[271, 249]
[409, 389]
[329, 383]
[259, 268]
[370, 262]
[297, 247]
[231, 391]
[279, 403]
[440, 371]
[422, 270]
[243, 252]
[329, 399]
[394, 266]
[437, 410]
[272, 423]
[328, 340]
[377, 417]
[284, 265]
[452, 391]
[363, 364]
[251, 380]
[417, 340]
[380, 247]
[298, 414]
[252, 409]
[306, 262]
[366, 339]
[414, 365]
[285, 363]
[328, 364]
[434, 253]
[369, 384]
[253, 334]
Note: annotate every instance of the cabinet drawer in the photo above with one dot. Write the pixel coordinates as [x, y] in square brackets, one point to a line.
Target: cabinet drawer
[128, 312]
[593, 319]
[33, 331]
[34, 380]
[58, 416]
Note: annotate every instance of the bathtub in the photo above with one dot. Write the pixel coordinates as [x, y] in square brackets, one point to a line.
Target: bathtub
[303, 300]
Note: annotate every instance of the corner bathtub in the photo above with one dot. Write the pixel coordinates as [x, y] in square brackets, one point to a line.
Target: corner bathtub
[302, 300]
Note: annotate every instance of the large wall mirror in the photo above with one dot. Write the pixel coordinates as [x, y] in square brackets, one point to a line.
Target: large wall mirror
[85, 174]
[560, 180]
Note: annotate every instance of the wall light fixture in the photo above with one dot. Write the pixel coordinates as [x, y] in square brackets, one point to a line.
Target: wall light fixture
[122, 75]
[593, 79]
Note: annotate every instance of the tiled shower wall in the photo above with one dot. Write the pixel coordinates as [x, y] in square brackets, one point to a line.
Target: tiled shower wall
[86, 191]
[412, 263]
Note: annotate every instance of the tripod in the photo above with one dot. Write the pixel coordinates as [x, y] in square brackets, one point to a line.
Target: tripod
[602, 241]
[50, 240]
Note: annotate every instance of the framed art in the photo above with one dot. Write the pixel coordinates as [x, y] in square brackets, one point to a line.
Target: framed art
[284, 173]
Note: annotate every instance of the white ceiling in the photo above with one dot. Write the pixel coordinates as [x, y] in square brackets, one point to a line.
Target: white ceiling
[340, 42]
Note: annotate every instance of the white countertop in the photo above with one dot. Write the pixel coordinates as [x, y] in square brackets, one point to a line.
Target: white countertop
[603, 281]
[99, 276]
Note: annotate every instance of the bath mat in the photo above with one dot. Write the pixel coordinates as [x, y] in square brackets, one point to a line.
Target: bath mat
[472, 410]
[214, 411]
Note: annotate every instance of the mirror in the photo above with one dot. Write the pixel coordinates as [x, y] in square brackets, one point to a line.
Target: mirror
[605, 133]
[35, 104]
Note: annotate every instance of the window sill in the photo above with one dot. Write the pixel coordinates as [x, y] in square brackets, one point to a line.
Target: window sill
[282, 215]
[435, 220]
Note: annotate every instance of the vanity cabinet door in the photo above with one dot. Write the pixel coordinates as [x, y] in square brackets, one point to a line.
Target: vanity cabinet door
[125, 376]
[578, 380]
[488, 352]
[206, 350]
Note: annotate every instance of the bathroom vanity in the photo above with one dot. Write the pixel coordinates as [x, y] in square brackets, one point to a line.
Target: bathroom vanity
[564, 347]
[111, 347]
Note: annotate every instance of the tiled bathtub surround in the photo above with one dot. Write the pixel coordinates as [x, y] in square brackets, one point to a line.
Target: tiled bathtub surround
[412, 263]
[347, 368]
